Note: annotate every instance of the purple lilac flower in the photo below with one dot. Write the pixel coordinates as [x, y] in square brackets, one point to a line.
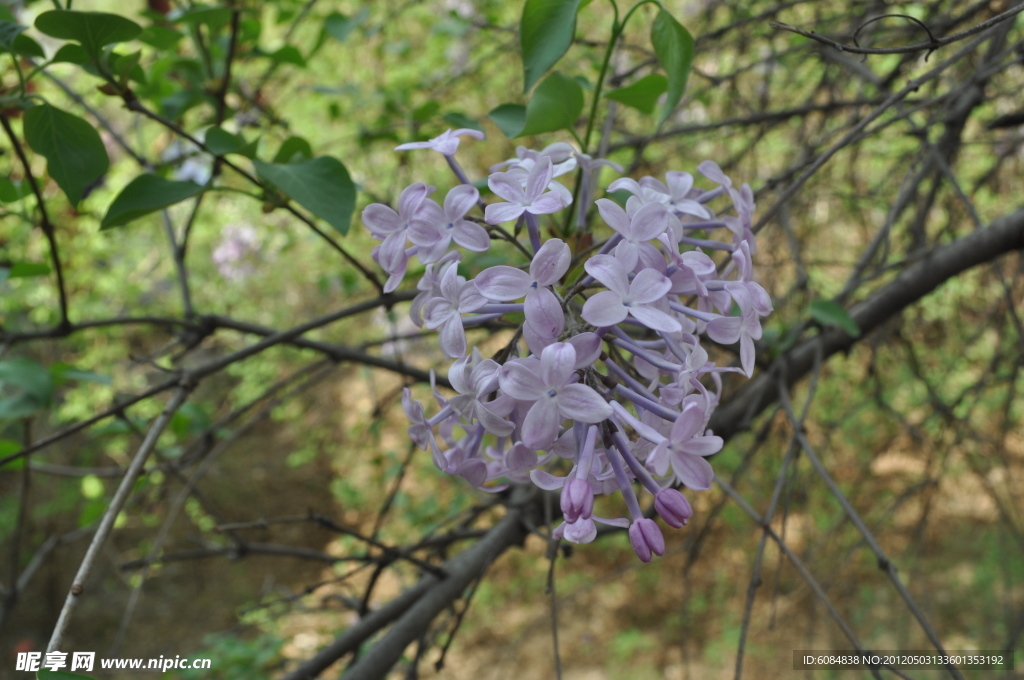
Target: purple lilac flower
[624, 298]
[627, 428]
[445, 312]
[548, 383]
[447, 142]
[532, 198]
[435, 228]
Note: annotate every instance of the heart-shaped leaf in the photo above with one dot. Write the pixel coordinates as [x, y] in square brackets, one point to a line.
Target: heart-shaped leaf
[510, 118]
[146, 194]
[556, 104]
[75, 155]
[321, 185]
[93, 30]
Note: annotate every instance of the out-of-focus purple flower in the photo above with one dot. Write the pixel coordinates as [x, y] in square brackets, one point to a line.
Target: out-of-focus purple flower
[445, 312]
[548, 384]
[533, 197]
[435, 228]
[235, 255]
[447, 142]
[624, 298]
[646, 538]
[673, 507]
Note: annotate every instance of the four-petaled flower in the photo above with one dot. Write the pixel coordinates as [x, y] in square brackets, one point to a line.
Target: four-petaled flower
[533, 198]
[445, 312]
[685, 451]
[624, 298]
[548, 383]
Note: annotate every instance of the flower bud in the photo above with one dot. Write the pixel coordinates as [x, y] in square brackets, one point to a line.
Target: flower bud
[646, 538]
[577, 500]
[673, 507]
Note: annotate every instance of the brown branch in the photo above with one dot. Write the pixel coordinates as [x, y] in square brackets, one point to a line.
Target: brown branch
[930, 45]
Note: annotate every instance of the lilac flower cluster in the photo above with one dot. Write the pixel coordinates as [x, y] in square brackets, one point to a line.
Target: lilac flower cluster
[606, 375]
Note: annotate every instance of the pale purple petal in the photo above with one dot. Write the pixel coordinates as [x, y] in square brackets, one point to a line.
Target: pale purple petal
[551, 262]
[494, 423]
[655, 319]
[703, 446]
[714, 173]
[613, 215]
[540, 429]
[475, 134]
[582, 403]
[580, 531]
[649, 285]
[725, 329]
[503, 283]
[506, 186]
[543, 313]
[381, 220]
[459, 201]
[414, 145]
[604, 309]
[497, 213]
[470, 298]
[747, 355]
[411, 199]
[557, 362]
[693, 471]
[688, 424]
[627, 184]
[679, 183]
[650, 221]
[471, 236]
[610, 272]
[546, 480]
[549, 203]
[538, 179]
[453, 337]
[588, 349]
[521, 381]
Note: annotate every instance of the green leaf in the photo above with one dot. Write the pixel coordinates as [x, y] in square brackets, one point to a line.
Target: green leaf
[643, 94]
[160, 37]
[27, 270]
[293, 150]
[11, 191]
[93, 30]
[829, 313]
[339, 26]
[71, 53]
[29, 385]
[9, 448]
[556, 104]
[321, 185]
[75, 155]
[8, 32]
[289, 54]
[28, 47]
[546, 31]
[215, 18]
[673, 45]
[220, 142]
[461, 120]
[510, 118]
[146, 194]
[426, 111]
